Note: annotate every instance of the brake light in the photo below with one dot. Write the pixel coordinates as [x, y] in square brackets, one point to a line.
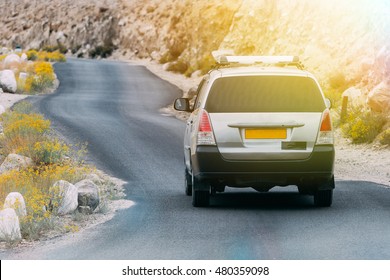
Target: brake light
[326, 124]
[204, 124]
[325, 135]
[205, 131]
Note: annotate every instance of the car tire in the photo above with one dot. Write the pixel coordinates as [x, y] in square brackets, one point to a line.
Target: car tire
[200, 193]
[187, 183]
[323, 198]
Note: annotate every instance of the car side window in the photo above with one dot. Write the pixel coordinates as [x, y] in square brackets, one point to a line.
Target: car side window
[199, 93]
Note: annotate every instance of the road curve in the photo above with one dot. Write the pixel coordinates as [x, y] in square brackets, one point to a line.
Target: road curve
[114, 107]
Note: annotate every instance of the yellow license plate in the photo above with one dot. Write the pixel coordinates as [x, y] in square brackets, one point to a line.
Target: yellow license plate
[265, 133]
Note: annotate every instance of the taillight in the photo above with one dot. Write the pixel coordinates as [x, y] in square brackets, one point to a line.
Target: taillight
[326, 124]
[325, 135]
[205, 131]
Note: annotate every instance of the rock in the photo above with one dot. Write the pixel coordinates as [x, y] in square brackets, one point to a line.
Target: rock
[88, 195]
[11, 58]
[2, 110]
[23, 57]
[95, 178]
[61, 37]
[9, 225]
[15, 162]
[22, 77]
[8, 81]
[355, 96]
[379, 97]
[15, 201]
[4, 50]
[66, 195]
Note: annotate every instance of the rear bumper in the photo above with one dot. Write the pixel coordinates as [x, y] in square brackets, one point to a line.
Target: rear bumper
[208, 164]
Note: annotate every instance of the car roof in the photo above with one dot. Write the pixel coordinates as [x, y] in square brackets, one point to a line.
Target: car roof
[258, 70]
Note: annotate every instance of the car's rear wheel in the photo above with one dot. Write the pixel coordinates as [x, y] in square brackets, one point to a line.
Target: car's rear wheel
[323, 198]
[187, 183]
[200, 193]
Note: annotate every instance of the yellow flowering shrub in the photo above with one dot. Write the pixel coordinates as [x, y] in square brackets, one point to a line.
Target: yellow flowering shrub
[49, 152]
[51, 56]
[35, 186]
[42, 77]
[22, 131]
[55, 56]
[32, 55]
[40, 73]
[362, 125]
[18, 123]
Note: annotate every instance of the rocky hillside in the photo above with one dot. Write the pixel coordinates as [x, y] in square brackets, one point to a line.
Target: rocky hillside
[345, 43]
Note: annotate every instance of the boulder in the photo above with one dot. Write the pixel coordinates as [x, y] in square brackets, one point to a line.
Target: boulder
[15, 162]
[23, 77]
[95, 178]
[9, 225]
[10, 59]
[4, 50]
[88, 195]
[379, 97]
[66, 195]
[23, 57]
[2, 110]
[355, 97]
[8, 81]
[15, 201]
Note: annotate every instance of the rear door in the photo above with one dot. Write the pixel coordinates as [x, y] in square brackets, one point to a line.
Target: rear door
[265, 117]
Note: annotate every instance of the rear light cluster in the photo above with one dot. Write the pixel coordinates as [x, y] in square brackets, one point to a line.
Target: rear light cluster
[205, 130]
[325, 135]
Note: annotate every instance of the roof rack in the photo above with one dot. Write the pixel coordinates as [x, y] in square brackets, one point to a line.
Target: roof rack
[223, 60]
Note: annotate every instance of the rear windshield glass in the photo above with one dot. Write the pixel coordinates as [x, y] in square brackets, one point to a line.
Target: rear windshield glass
[264, 94]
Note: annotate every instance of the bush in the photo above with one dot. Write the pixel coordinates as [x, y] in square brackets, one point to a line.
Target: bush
[178, 66]
[101, 51]
[32, 55]
[49, 152]
[40, 75]
[59, 48]
[25, 133]
[34, 184]
[43, 78]
[55, 56]
[362, 125]
[23, 107]
[384, 138]
[22, 131]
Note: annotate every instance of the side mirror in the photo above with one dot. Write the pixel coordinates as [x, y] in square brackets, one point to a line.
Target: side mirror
[182, 104]
[328, 103]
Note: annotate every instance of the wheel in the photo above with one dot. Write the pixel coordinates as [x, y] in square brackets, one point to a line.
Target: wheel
[200, 193]
[323, 198]
[187, 183]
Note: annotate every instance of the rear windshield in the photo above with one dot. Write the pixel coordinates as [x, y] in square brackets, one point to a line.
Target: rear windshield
[264, 94]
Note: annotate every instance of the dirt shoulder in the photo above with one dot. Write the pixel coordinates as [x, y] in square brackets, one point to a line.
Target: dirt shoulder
[365, 162]
[9, 99]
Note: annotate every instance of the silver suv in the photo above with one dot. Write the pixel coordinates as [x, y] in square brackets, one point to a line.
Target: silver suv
[258, 122]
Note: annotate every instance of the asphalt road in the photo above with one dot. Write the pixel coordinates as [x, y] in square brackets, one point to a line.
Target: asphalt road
[114, 107]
